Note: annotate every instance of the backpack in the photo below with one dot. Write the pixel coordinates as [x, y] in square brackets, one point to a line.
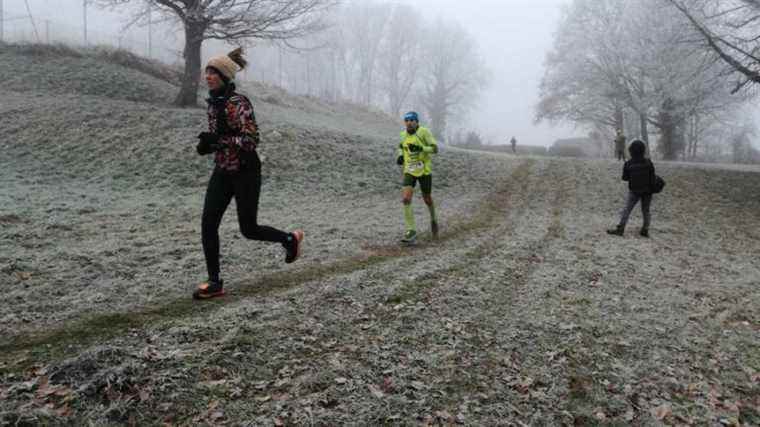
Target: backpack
[658, 185]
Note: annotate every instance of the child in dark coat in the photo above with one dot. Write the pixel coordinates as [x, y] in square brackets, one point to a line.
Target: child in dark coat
[639, 172]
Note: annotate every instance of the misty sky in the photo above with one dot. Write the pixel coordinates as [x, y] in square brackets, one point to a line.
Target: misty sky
[514, 36]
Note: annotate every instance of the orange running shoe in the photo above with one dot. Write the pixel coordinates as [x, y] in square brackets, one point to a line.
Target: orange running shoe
[293, 246]
[209, 290]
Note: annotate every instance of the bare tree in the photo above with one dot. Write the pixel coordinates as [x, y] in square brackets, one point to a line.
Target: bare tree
[382, 54]
[740, 141]
[678, 84]
[454, 74]
[616, 58]
[367, 31]
[582, 82]
[729, 28]
[399, 57]
[232, 21]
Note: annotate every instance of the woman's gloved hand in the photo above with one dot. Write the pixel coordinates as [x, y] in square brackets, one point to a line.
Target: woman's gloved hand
[209, 143]
[400, 160]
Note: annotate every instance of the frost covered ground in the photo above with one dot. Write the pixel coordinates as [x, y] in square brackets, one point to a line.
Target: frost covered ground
[524, 312]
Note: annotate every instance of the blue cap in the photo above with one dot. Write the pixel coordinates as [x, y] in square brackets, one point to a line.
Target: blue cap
[411, 116]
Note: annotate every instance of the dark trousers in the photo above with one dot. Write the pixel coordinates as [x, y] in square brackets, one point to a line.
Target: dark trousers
[631, 201]
[245, 187]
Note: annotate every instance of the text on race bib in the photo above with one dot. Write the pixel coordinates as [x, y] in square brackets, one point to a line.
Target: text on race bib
[415, 167]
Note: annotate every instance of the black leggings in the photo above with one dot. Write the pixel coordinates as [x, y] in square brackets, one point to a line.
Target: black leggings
[245, 186]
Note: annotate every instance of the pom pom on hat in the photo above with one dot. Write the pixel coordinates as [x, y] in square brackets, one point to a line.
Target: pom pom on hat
[228, 65]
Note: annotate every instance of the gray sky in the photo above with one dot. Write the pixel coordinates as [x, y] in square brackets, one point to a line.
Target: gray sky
[63, 20]
[514, 36]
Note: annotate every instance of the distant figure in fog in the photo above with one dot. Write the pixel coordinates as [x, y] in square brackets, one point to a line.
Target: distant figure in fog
[639, 172]
[513, 141]
[620, 145]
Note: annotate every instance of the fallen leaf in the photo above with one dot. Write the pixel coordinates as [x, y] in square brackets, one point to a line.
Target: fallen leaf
[714, 397]
[262, 399]
[692, 388]
[663, 411]
[417, 385]
[278, 422]
[443, 415]
[63, 391]
[388, 385]
[376, 391]
[341, 380]
[729, 421]
[63, 411]
[212, 384]
[524, 385]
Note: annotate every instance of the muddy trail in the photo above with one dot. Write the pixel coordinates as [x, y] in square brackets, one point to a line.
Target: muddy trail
[523, 313]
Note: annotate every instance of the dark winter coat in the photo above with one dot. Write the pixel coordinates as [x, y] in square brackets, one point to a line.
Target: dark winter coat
[640, 175]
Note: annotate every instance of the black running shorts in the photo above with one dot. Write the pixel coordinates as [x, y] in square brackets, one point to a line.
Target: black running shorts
[426, 182]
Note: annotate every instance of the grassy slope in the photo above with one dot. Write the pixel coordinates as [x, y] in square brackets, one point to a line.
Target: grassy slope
[523, 312]
[107, 192]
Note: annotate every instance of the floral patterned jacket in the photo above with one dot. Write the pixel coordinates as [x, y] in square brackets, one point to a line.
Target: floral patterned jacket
[232, 118]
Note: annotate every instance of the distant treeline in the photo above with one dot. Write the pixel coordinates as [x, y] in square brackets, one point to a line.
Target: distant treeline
[651, 68]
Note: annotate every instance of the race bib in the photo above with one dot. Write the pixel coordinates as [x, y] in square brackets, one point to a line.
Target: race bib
[414, 168]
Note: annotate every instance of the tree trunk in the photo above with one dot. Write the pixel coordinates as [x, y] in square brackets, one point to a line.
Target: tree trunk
[644, 130]
[669, 145]
[695, 138]
[619, 117]
[188, 94]
[667, 141]
[436, 101]
[438, 123]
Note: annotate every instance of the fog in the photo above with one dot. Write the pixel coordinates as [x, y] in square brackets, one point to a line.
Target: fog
[511, 36]
[514, 36]
[609, 279]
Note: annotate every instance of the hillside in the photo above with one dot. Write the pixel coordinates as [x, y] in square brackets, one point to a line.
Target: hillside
[524, 312]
